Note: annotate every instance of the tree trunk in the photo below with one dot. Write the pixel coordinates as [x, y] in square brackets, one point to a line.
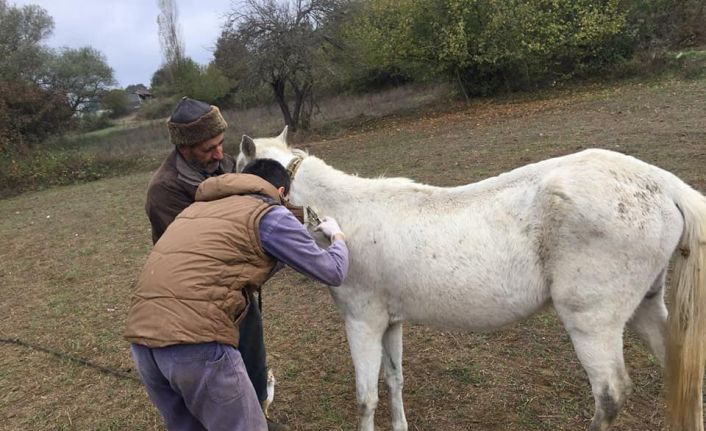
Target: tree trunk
[462, 86]
[278, 87]
[301, 95]
[307, 107]
[298, 99]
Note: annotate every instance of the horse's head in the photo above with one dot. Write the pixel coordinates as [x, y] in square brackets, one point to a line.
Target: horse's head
[265, 148]
[279, 150]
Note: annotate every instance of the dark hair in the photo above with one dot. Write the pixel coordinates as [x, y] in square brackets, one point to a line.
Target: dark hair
[269, 170]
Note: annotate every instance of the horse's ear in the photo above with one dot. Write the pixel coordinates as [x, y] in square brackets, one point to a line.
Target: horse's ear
[283, 136]
[247, 147]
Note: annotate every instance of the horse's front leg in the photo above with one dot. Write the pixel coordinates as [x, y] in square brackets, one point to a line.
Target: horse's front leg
[392, 366]
[365, 340]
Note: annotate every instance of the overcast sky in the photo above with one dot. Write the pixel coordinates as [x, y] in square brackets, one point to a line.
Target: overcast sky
[125, 31]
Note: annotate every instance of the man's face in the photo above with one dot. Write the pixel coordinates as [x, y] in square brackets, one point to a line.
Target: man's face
[205, 155]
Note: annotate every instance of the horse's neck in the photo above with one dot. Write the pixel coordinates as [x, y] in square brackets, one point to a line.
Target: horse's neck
[318, 184]
[324, 187]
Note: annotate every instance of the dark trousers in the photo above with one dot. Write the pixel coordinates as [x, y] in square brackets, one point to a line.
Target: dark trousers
[252, 348]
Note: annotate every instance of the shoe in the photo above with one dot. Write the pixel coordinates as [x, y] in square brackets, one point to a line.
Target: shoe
[274, 426]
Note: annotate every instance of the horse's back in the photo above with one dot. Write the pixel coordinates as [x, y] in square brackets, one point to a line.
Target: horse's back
[604, 196]
[510, 241]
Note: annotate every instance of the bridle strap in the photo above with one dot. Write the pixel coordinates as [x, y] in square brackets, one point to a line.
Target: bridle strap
[293, 166]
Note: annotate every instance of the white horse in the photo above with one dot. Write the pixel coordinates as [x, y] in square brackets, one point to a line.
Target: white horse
[591, 233]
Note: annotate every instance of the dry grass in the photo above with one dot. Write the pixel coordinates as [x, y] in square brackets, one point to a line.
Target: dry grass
[150, 138]
[334, 115]
[133, 146]
[70, 256]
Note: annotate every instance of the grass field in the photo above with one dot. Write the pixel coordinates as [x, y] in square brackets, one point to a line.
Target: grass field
[70, 256]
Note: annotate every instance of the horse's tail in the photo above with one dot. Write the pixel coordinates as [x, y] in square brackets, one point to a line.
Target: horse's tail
[686, 326]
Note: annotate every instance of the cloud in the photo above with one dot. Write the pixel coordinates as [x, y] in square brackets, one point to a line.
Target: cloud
[125, 31]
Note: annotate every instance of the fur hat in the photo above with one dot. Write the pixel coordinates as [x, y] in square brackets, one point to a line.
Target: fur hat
[193, 122]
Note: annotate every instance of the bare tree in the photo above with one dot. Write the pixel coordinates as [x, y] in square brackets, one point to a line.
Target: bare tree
[283, 40]
[170, 35]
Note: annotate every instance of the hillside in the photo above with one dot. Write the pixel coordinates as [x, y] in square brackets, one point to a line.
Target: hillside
[70, 256]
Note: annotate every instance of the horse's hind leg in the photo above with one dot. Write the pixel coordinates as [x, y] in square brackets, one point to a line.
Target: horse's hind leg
[365, 340]
[392, 365]
[600, 350]
[650, 318]
[595, 315]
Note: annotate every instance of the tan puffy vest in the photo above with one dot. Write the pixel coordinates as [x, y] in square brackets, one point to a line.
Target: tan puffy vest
[192, 288]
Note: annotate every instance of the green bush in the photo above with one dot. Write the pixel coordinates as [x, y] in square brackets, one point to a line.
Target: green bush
[62, 163]
[47, 168]
[486, 45]
[30, 113]
[668, 24]
[92, 122]
[160, 107]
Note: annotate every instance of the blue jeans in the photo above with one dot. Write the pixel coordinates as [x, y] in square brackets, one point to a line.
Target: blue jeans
[200, 387]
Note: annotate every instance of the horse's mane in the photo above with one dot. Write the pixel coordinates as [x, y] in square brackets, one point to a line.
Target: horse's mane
[376, 185]
[391, 186]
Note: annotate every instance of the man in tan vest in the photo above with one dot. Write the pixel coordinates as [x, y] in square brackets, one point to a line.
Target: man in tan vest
[194, 291]
[197, 131]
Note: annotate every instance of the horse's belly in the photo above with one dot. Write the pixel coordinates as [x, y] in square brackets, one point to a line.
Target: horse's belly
[483, 278]
[467, 315]
[473, 310]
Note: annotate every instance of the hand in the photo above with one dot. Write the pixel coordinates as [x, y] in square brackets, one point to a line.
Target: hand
[329, 227]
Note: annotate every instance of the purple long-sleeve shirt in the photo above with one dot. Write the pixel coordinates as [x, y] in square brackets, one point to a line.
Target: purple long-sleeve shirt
[288, 241]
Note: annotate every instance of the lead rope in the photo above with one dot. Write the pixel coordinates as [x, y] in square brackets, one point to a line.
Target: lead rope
[76, 359]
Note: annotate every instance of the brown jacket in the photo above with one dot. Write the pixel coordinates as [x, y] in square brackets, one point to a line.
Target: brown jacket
[193, 286]
[172, 188]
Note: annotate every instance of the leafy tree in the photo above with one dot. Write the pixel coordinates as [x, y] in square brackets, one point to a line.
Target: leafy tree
[28, 111]
[283, 42]
[205, 83]
[40, 89]
[212, 85]
[81, 73]
[117, 102]
[21, 33]
[160, 80]
[230, 56]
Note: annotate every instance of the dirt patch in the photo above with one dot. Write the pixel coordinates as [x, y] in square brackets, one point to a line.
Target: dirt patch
[70, 256]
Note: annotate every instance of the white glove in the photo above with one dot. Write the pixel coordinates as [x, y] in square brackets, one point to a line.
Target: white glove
[329, 227]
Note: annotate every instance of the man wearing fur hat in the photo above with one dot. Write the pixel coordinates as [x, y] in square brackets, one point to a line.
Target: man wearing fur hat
[197, 131]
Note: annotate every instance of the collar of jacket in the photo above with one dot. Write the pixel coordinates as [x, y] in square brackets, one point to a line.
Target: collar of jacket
[235, 184]
[190, 175]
